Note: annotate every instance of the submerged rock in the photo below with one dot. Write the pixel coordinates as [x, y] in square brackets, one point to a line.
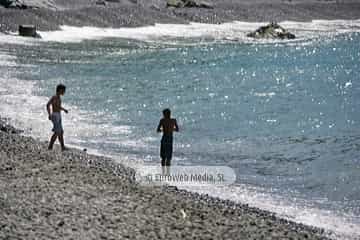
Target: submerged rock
[188, 4]
[101, 2]
[271, 31]
[28, 31]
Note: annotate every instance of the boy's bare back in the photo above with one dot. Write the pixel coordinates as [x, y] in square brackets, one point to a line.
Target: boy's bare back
[168, 126]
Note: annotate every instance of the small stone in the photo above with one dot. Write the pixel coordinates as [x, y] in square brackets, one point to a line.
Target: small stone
[61, 223]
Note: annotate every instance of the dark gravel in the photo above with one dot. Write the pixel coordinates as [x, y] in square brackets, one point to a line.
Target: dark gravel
[146, 12]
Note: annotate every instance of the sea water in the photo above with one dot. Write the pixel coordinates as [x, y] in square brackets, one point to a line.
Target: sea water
[284, 115]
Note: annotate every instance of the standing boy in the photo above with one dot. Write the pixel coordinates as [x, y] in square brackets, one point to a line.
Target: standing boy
[55, 116]
[167, 125]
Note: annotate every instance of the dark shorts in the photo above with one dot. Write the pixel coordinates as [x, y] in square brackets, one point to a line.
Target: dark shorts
[166, 148]
[56, 120]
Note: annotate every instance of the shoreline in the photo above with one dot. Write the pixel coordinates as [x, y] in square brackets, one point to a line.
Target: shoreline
[113, 191]
[147, 13]
[66, 195]
[179, 34]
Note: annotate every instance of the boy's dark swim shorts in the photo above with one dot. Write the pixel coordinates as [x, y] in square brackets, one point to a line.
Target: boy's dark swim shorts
[166, 148]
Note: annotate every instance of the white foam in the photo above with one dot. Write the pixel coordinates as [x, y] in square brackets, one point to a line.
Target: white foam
[298, 210]
[27, 111]
[227, 31]
[264, 94]
[172, 33]
[14, 38]
[233, 31]
[7, 60]
[31, 115]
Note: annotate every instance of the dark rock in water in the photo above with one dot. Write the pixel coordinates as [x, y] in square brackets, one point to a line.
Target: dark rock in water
[13, 4]
[271, 31]
[5, 3]
[26, 4]
[203, 4]
[101, 2]
[175, 3]
[188, 4]
[28, 31]
[197, 4]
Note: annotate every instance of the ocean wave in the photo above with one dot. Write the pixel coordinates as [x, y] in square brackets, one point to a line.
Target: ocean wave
[14, 38]
[232, 31]
[18, 94]
[27, 110]
[195, 32]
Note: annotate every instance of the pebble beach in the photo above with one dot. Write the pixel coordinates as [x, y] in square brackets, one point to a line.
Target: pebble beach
[72, 195]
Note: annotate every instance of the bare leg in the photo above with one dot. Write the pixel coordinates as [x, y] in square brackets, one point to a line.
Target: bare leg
[52, 141]
[61, 140]
[165, 170]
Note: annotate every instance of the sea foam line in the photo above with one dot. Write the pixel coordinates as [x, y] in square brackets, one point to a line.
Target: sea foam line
[344, 227]
[235, 31]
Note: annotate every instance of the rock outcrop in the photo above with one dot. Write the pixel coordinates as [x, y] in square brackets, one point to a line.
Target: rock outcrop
[271, 31]
[13, 4]
[100, 2]
[188, 4]
[26, 4]
[28, 31]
